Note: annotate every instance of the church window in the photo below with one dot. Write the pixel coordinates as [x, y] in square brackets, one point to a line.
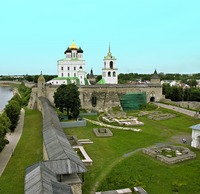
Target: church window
[109, 74]
[74, 74]
[111, 64]
[104, 64]
[80, 67]
[68, 68]
[62, 75]
[74, 68]
[68, 75]
[114, 74]
[61, 68]
[81, 77]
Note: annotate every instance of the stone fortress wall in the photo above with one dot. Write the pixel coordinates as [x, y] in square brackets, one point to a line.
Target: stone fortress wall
[107, 96]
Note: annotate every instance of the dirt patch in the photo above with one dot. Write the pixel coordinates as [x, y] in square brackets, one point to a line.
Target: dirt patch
[180, 137]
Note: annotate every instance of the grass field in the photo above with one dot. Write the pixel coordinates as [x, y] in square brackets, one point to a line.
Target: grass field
[112, 170]
[27, 152]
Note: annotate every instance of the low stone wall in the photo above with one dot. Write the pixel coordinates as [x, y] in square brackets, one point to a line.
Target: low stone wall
[71, 124]
[190, 105]
[185, 104]
[87, 161]
[9, 82]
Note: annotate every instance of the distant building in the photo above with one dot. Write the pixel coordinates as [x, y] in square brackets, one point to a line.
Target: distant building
[91, 78]
[71, 69]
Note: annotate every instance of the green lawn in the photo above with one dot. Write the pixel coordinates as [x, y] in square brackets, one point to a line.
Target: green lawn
[111, 170]
[27, 152]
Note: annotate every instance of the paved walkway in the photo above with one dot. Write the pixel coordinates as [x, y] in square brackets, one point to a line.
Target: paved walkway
[13, 138]
[178, 109]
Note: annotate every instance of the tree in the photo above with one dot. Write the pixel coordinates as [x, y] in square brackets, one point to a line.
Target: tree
[192, 82]
[4, 128]
[25, 93]
[177, 93]
[194, 94]
[167, 91]
[17, 98]
[12, 110]
[67, 98]
[186, 94]
[29, 78]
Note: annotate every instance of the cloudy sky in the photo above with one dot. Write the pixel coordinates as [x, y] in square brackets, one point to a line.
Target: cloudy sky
[144, 34]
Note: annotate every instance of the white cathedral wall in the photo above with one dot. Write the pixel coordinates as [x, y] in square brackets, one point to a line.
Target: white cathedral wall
[74, 67]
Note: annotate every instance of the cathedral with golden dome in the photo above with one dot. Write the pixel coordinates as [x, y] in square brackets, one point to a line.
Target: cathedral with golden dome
[71, 69]
[104, 94]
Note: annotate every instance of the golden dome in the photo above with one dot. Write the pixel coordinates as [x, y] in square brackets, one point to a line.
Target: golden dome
[73, 46]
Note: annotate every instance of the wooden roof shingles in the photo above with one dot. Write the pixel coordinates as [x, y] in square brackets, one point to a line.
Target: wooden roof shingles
[62, 157]
[40, 180]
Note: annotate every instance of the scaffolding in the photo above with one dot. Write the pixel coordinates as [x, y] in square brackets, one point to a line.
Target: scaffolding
[133, 101]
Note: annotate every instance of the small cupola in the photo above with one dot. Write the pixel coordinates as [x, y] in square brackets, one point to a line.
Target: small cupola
[79, 50]
[68, 50]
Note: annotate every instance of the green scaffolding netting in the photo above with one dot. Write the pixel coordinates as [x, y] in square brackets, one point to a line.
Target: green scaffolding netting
[133, 101]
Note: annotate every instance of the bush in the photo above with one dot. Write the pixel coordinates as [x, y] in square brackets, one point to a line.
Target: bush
[12, 110]
[25, 93]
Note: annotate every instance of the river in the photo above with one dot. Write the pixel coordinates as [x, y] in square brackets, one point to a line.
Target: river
[5, 95]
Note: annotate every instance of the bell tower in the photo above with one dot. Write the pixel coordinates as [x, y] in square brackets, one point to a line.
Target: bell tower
[109, 71]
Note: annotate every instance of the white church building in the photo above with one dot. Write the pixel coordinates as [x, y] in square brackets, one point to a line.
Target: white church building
[110, 70]
[71, 69]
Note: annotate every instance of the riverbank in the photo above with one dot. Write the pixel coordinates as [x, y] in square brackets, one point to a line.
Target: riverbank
[8, 83]
[6, 93]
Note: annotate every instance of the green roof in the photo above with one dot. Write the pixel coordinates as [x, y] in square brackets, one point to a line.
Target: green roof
[65, 78]
[86, 81]
[69, 80]
[102, 81]
[72, 59]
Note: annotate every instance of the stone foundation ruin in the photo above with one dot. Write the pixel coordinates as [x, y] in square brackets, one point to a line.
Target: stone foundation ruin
[156, 115]
[169, 154]
[122, 119]
[102, 132]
